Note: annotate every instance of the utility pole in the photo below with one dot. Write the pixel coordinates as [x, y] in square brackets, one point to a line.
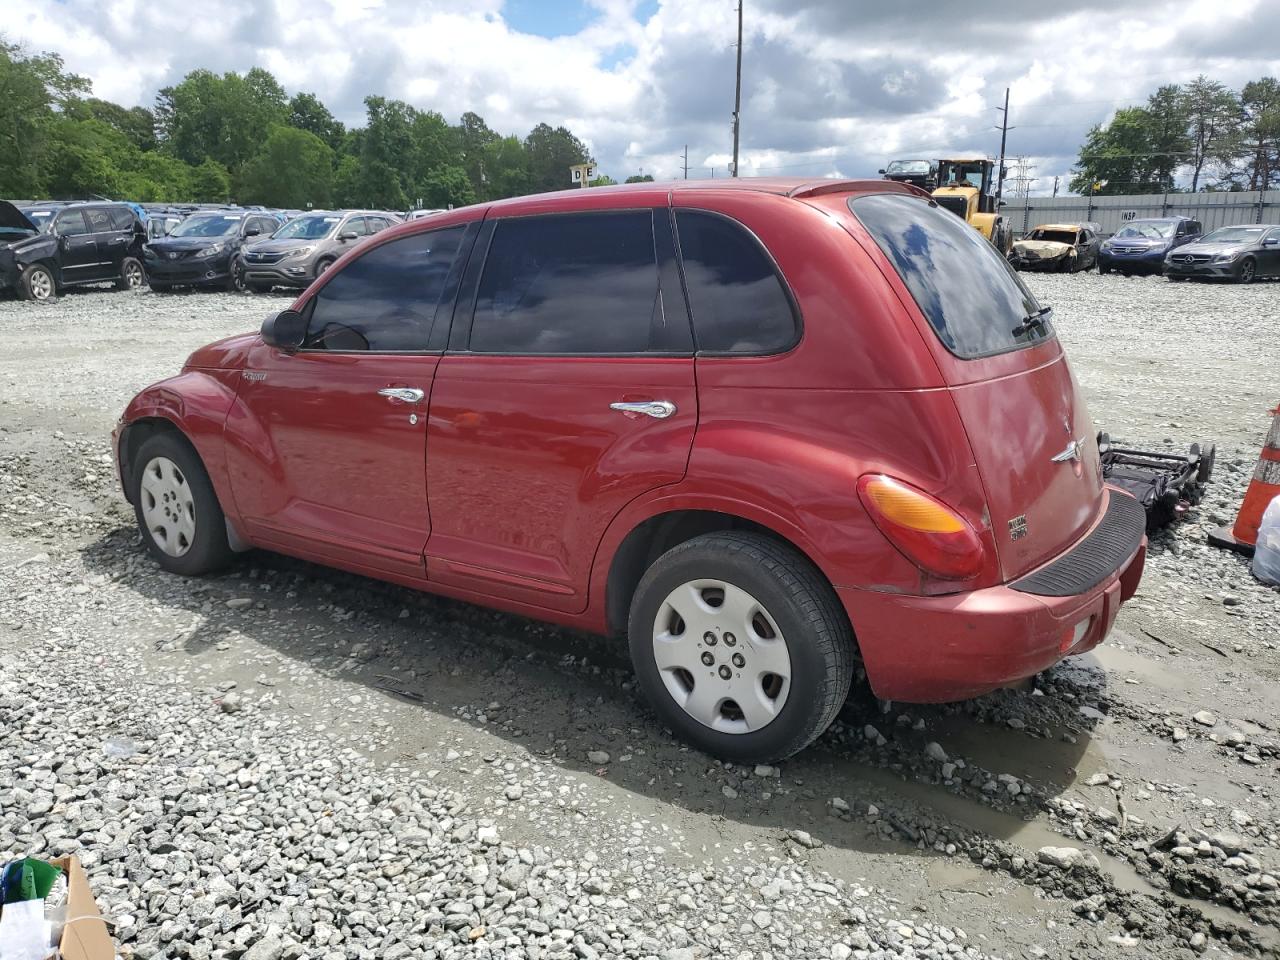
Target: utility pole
[686, 161]
[737, 93]
[1004, 134]
[1055, 185]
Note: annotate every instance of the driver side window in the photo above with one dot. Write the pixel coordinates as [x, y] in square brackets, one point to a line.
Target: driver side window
[70, 224]
[386, 300]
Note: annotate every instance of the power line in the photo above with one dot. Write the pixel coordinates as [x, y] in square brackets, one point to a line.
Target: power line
[737, 94]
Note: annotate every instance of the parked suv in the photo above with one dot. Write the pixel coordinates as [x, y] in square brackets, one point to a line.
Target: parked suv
[764, 428]
[1140, 245]
[204, 250]
[307, 246]
[46, 249]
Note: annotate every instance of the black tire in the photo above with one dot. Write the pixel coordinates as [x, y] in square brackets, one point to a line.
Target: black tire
[1208, 457]
[235, 276]
[1103, 270]
[161, 287]
[1247, 272]
[38, 284]
[796, 596]
[132, 275]
[323, 264]
[208, 550]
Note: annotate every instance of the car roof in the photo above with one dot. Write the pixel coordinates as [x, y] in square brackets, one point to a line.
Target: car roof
[1061, 226]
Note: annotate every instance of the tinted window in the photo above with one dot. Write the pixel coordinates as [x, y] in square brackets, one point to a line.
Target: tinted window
[121, 218]
[99, 220]
[386, 299]
[969, 294]
[738, 301]
[71, 224]
[576, 284]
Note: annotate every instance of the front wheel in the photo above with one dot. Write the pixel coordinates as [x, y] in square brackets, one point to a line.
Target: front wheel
[741, 646]
[322, 265]
[131, 274]
[178, 513]
[38, 284]
[1247, 271]
[235, 275]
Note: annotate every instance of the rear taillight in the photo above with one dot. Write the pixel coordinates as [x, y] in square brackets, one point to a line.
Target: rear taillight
[927, 532]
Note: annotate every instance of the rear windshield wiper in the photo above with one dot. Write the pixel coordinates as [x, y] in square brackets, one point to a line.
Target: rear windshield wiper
[1031, 321]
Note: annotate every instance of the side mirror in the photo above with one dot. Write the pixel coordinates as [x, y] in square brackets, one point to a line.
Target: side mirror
[1271, 242]
[252, 232]
[348, 235]
[881, 170]
[285, 330]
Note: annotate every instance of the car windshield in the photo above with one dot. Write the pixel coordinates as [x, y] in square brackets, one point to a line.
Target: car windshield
[1155, 230]
[1055, 236]
[1236, 235]
[217, 225]
[974, 301]
[908, 166]
[41, 217]
[307, 228]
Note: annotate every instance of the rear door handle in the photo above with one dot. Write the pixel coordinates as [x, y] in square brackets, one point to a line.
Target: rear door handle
[404, 394]
[658, 409]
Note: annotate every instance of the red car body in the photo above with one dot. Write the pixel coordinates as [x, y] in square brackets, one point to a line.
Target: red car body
[515, 485]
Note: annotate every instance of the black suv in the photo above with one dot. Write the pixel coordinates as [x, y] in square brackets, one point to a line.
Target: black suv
[69, 245]
[204, 249]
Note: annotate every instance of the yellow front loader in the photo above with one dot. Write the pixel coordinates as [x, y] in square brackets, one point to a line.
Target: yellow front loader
[964, 188]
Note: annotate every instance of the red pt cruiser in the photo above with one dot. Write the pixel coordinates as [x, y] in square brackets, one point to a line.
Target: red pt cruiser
[764, 428]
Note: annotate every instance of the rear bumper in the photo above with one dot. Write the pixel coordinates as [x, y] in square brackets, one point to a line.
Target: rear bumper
[940, 649]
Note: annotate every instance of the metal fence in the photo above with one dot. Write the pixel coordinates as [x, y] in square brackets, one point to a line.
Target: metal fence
[1211, 209]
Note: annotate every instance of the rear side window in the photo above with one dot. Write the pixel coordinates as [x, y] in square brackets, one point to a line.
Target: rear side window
[972, 298]
[121, 218]
[738, 301]
[386, 300]
[99, 220]
[571, 284]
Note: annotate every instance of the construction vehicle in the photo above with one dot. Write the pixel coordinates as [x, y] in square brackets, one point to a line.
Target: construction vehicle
[965, 188]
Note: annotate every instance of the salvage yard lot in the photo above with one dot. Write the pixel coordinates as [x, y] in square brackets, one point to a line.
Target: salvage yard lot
[288, 761]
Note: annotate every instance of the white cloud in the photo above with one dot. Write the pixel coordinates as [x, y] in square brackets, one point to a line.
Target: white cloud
[830, 86]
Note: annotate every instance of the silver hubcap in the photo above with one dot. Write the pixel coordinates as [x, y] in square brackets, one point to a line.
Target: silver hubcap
[41, 285]
[133, 275]
[721, 656]
[1246, 272]
[168, 508]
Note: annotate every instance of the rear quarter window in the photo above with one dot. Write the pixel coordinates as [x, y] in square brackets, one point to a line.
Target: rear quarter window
[972, 298]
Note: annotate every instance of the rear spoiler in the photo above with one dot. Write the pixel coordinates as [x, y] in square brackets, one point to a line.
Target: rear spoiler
[820, 188]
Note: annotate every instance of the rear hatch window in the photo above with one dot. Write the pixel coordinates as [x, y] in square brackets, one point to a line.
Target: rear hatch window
[974, 301]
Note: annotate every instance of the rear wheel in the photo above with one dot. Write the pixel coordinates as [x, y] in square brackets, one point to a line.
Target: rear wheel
[741, 646]
[178, 512]
[1247, 271]
[131, 274]
[38, 283]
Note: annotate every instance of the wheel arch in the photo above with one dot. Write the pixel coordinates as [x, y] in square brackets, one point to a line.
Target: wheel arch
[635, 541]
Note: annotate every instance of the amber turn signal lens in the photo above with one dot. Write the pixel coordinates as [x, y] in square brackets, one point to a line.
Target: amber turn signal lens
[924, 529]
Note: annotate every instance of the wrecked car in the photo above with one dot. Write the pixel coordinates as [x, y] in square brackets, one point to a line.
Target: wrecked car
[50, 248]
[1059, 247]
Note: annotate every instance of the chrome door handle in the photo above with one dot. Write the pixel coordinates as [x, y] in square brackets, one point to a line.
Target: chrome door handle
[658, 409]
[405, 394]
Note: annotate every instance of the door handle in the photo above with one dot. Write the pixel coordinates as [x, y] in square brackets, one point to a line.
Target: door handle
[658, 409]
[405, 394]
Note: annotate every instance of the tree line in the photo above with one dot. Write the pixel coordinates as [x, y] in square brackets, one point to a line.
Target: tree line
[1223, 139]
[240, 137]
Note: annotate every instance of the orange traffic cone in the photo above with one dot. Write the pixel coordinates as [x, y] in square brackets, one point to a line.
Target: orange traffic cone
[1264, 487]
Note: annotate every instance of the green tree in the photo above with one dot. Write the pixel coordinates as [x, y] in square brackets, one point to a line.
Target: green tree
[224, 117]
[83, 158]
[210, 183]
[475, 140]
[306, 112]
[33, 89]
[293, 168]
[1117, 158]
[551, 152]
[1213, 126]
[506, 169]
[136, 123]
[1167, 139]
[638, 178]
[604, 180]
[1260, 132]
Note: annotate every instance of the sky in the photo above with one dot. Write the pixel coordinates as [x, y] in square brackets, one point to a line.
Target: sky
[830, 87]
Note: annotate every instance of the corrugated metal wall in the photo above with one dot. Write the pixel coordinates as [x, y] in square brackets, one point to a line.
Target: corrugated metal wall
[1211, 209]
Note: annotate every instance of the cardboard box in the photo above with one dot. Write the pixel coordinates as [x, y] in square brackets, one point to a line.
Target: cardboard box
[84, 934]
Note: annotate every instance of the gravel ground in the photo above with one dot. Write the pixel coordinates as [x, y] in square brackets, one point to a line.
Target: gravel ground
[287, 761]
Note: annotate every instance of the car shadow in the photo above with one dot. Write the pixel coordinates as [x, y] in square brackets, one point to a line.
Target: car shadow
[561, 694]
